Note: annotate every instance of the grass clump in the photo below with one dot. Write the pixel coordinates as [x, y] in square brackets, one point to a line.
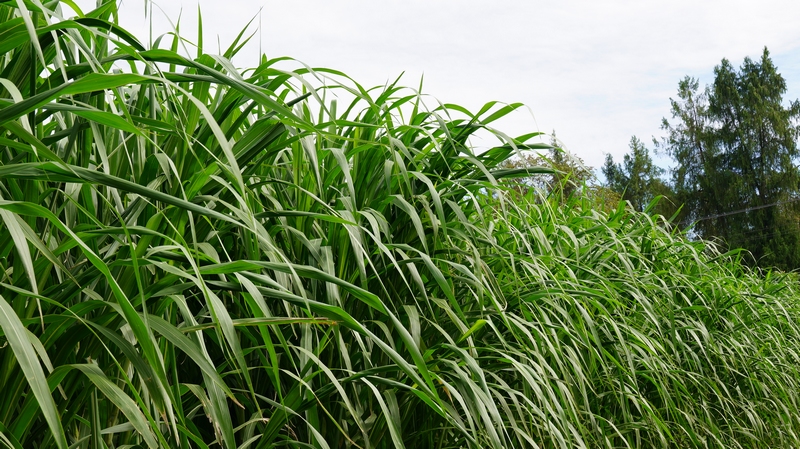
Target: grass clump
[193, 255]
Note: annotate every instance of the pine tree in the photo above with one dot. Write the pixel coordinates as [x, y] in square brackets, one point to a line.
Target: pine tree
[735, 144]
[637, 179]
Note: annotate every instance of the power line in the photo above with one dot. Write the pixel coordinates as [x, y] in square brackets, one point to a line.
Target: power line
[741, 211]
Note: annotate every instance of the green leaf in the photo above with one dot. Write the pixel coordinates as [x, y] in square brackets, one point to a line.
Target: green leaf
[12, 34]
[96, 115]
[23, 350]
[118, 397]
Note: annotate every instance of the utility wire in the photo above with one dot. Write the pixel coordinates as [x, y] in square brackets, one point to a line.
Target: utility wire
[740, 211]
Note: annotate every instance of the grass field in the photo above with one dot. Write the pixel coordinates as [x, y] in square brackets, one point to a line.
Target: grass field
[193, 255]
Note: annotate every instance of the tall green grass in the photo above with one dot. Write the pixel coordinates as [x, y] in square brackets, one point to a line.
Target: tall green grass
[193, 255]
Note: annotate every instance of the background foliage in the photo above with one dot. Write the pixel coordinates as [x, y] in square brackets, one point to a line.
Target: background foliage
[638, 180]
[194, 255]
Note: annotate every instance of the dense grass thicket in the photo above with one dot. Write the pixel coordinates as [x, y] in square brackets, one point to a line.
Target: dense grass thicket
[197, 256]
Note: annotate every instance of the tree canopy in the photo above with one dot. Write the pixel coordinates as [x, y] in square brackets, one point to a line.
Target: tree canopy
[735, 145]
[637, 179]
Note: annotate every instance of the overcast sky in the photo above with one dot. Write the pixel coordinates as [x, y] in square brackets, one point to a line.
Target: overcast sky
[596, 72]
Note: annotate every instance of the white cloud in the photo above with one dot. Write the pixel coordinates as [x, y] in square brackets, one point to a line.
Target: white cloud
[596, 72]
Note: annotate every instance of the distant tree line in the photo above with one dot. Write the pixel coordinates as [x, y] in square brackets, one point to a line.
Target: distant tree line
[735, 178]
[572, 178]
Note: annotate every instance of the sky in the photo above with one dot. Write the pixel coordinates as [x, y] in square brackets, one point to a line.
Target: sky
[595, 72]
